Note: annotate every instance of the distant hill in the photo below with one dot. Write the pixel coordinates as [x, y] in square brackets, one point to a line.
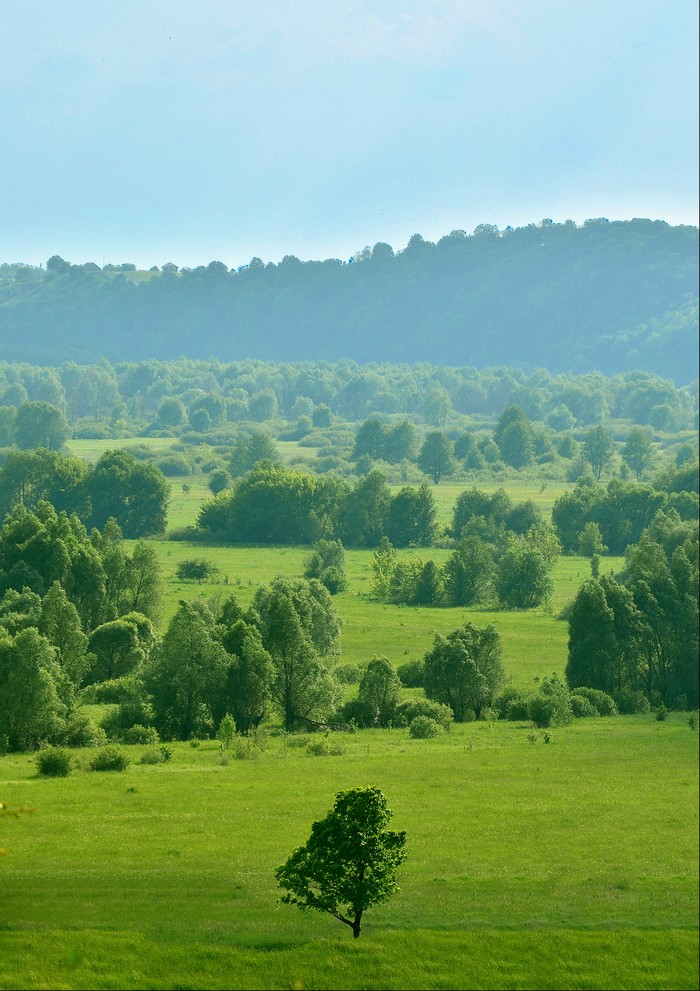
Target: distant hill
[599, 296]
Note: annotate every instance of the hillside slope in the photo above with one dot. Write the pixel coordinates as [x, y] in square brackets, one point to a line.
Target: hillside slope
[602, 296]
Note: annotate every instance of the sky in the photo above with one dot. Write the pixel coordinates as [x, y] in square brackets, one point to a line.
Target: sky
[172, 130]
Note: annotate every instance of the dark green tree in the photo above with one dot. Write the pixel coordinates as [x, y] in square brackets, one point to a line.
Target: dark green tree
[41, 424]
[436, 456]
[598, 450]
[524, 578]
[638, 452]
[299, 627]
[133, 493]
[412, 518]
[465, 669]
[379, 692]
[186, 676]
[349, 862]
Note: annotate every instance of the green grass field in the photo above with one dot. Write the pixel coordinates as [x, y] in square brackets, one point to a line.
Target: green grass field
[571, 864]
[565, 865]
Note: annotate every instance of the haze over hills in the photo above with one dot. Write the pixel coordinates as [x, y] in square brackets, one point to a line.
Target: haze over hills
[606, 296]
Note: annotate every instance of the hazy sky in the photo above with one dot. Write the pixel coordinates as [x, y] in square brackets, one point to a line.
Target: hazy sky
[156, 130]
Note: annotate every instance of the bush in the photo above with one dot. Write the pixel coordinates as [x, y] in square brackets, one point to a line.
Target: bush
[662, 713]
[53, 762]
[406, 712]
[174, 465]
[196, 569]
[411, 674]
[141, 734]
[79, 731]
[552, 705]
[503, 700]
[156, 755]
[109, 759]
[603, 703]
[111, 692]
[423, 728]
[629, 702]
[518, 708]
[693, 720]
[349, 674]
[582, 707]
[132, 712]
[324, 748]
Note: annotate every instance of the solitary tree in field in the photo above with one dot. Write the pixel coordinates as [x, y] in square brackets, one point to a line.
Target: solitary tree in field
[349, 862]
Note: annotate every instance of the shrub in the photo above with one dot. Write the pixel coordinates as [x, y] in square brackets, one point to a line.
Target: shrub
[53, 762]
[132, 712]
[603, 703]
[582, 707]
[226, 733]
[661, 713]
[111, 692]
[693, 720]
[79, 731]
[551, 706]
[406, 712]
[518, 708]
[324, 748]
[174, 465]
[504, 697]
[348, 674]
[141, 734]
[629, 702]
[411, 674]
[109, 759]
[196, 569]
[156, 755]
[423, 728]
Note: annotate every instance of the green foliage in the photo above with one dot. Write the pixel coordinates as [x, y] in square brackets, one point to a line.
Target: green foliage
[465, 669]
[551, 706]
[379, 693]
[582, 707]
[629, 702]
[423, 728]
[33, 693]
[349, 862]
[327, 564]
[54, 762]
[109, 758]
[411, 673]
[436, 456]
[524, 577]
[186, 676]
[196, 569]
[603, 703]
[299, 627]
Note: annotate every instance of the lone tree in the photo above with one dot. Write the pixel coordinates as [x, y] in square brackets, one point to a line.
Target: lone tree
[349, 862]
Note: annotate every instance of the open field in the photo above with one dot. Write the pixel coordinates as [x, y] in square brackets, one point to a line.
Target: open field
[568, 865]
[534, 641]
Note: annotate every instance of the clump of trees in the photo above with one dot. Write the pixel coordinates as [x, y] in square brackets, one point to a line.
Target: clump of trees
[276, 505]
[118, 487]
[640, 633]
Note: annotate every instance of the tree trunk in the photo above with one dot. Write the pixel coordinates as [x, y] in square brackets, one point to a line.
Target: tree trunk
[356, 925]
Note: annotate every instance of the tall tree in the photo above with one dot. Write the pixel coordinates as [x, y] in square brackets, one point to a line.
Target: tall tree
[436, 456]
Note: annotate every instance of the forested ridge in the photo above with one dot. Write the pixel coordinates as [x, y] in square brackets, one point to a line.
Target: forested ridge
[606, 296]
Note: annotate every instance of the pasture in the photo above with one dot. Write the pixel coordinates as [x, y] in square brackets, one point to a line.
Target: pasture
[568, 864]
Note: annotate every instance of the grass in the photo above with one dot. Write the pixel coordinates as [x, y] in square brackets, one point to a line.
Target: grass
[568, 865]
[534, 642]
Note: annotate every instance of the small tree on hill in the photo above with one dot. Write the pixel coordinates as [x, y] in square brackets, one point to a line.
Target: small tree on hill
[349, 862]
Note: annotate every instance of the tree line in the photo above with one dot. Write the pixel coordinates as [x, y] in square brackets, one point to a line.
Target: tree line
[596, 296]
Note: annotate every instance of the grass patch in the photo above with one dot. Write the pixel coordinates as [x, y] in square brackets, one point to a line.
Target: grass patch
[572, 865]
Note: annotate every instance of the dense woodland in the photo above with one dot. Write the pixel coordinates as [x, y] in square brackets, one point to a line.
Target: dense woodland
[602, 296]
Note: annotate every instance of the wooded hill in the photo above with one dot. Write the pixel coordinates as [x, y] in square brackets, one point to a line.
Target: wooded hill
[601, 296]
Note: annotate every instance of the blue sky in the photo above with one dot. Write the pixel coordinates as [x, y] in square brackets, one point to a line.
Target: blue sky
[152, 131]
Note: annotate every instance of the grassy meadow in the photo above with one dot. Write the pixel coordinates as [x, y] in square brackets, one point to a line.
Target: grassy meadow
[567, 864]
